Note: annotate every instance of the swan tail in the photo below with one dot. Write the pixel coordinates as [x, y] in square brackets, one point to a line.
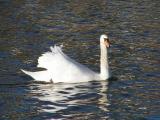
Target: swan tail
[39, 76]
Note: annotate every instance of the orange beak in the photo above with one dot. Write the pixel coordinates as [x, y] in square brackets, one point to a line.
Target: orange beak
[107, 43]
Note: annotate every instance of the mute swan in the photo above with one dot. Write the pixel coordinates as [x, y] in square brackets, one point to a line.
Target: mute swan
[61, 68]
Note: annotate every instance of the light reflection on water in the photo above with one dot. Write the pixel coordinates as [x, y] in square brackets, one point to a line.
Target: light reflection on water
[62, 96]
[29, 27]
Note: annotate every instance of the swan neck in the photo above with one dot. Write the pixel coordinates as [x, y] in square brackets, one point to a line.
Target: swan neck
[104, 67]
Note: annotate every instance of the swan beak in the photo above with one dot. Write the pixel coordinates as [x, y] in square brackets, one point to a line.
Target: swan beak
[107, 43]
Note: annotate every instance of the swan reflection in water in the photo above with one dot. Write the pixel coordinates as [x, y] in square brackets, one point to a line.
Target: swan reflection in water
[60, 97]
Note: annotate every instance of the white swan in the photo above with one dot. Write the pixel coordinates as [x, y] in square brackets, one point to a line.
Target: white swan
[60, 68]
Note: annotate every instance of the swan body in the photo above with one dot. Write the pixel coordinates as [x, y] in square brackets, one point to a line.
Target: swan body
[61, 68]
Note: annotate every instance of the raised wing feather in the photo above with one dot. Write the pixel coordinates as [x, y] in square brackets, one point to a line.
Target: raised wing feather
[60, 66]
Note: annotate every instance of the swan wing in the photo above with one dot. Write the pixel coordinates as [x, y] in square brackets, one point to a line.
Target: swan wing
[62, 68]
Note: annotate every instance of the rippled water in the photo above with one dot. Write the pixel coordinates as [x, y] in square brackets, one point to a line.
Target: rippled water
[29, 27]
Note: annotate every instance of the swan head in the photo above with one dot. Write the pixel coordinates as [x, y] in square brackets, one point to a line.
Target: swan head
[104, 40]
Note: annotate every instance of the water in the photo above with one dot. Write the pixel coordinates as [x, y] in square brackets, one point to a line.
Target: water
[29, 27]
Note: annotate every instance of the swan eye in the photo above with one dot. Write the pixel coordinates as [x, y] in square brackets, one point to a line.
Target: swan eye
[106, 40]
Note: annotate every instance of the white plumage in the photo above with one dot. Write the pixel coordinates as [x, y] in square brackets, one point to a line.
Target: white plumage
[60, 68]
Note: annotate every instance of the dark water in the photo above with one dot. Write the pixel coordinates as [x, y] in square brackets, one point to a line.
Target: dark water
[29, 27]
